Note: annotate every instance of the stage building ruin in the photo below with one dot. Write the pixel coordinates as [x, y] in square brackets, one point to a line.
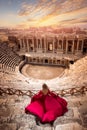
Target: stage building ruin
[53, 50]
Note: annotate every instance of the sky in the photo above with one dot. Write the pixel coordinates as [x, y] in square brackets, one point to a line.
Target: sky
[43, 13]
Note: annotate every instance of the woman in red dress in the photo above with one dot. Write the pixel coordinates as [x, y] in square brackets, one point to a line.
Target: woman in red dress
[46, 105]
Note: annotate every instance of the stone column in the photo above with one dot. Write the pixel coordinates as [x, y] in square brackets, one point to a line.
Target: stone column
[45, 42]
[82, 45]
[33, 44]
[47, 45]
[37, 44]
[62, 45]
[57, 45]
[41, 44]
[20, 44]
[53, 45]
[77, 45]
[23, 45]
[73, 47]
[66, 46]
[27, 45]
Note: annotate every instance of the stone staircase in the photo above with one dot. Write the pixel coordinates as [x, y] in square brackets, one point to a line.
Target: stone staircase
[13, 117]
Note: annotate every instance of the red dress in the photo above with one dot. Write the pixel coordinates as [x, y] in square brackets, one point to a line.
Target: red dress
[47, 107]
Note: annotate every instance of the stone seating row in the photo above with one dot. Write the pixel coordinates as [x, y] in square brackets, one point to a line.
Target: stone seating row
[8, 59]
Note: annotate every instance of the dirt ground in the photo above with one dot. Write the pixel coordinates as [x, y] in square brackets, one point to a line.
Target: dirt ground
[42, 72]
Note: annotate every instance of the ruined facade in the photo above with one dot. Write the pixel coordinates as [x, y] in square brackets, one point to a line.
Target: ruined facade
[53, 50]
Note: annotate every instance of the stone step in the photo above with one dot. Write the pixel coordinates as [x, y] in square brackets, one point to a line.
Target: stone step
[69, 126]
[12, 112]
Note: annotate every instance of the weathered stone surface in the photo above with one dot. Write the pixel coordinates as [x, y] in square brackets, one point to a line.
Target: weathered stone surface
[68, 117]
[69, 113]
[4, 111]
[7, 126]
[76, 113]
[24, 128]
[45, 127]
[69, 126]
[83, 113]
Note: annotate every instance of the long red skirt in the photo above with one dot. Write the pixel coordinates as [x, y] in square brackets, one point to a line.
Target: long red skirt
[47, 107]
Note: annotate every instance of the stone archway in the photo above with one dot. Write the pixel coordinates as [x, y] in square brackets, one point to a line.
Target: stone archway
[46, 60]
[50, 46]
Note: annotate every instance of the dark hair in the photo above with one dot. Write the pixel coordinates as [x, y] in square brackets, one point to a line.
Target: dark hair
[44, 86]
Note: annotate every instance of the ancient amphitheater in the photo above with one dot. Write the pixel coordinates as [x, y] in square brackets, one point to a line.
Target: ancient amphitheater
[16, 88]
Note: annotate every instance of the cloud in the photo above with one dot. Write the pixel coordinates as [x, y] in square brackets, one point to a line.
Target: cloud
[53, 12]
[73, 18]
[44, 7]
[71, 5]
[65, 18]
[51, 7]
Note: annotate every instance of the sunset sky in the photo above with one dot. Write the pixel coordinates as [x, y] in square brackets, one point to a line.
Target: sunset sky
[39, 13]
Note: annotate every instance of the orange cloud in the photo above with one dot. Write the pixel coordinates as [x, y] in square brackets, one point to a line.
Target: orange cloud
[54, 12]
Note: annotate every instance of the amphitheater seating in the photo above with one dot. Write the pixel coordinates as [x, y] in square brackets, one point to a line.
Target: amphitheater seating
[8, 59]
